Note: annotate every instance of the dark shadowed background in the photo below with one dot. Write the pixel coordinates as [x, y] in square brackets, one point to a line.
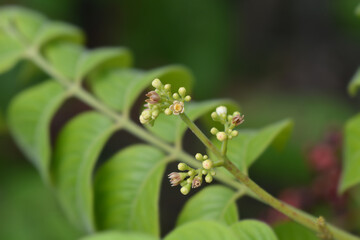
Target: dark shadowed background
[277, 58]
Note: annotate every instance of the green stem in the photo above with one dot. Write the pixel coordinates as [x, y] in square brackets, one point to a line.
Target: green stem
[75, 89]
[298, 215]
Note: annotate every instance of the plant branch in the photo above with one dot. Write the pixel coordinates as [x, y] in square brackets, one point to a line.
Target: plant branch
[296, 215]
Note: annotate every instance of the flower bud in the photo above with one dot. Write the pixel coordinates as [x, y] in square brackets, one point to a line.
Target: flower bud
[199, 157]
[204, 172]
[234, 133]
[176, 96]
[221, 136]
[156, 83]
[168, 111]
[222, 110]
[185, 189]
[142, 120]
[208, 178]
[214, 116]
[182, 91]
[196, 182]
[155, 113]
[207, 164]
[205, 157]
[212, 172]
[214, 131]
[187, 98]
[146, 114]
[167, 87]
[182, 166]
[191, 173]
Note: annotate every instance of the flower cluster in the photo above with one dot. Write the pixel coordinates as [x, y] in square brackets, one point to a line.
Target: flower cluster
[193, 178]
[229, 121]
[162, 100]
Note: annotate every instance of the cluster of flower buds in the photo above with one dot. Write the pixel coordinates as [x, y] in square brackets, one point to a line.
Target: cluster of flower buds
[162, 100]
[192, 178]
[229, 121]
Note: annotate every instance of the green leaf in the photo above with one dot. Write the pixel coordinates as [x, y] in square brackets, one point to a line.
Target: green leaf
[128, 188]
[244, 149]
[76, 151]
[350, 174]
[293, 231]
[120, 88]
[29, 118]
[19, 25]
[51, 31]
[212, 203]
[102, 58]
[75, 63]
[201, 230]
[11, 52]
[253, 230]
[171, 128]
[64, 56]
[354, 84]
[115, 235]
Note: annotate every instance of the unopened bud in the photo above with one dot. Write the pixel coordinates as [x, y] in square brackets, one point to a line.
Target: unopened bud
[187, 98]
[214, 131]
[222, 110]
[168, 111]
[176, 96]
[182, 91]
[221, 136]
[156, 83]
[167, 86]
[199, 157]
[205, 157]
[234, 133]
[191, 173]
[185, 189]
[214, 116]
[182, 166]
[142, 120]
[208, 178]
[207, 164]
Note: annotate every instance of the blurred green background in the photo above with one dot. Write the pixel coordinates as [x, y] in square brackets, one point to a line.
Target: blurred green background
[277, 58]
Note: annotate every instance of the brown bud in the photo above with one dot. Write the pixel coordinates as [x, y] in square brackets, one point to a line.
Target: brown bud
[238, 119]
[153, 97]
[196, 182]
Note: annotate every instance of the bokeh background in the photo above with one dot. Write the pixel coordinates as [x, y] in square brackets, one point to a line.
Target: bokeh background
[277, 58]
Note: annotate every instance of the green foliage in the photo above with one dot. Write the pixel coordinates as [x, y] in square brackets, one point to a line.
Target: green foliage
[350, 174]
[19, 26]
[120, 88]
[212, 203]
[253, 230]
[354, 85]
[124, 193]
[293, 231]
[209, 230]
[246, 148]
[128, 191]
[29, 120]
[77, 149]
[114, 235]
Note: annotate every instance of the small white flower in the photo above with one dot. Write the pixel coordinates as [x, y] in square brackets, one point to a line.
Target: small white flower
[177, 107]
[222, 110]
